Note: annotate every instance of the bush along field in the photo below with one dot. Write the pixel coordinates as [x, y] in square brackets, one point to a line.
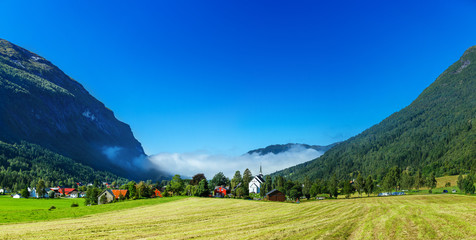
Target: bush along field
[402, 217]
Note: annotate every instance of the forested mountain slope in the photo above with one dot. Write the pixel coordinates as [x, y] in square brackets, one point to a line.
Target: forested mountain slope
[40, 104]
[24, 164]
[435, 133]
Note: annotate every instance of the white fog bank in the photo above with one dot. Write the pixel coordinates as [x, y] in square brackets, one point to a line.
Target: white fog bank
[189, 164]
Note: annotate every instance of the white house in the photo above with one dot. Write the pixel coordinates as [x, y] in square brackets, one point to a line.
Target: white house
[17, 196]
[255, 184]
[2, 191]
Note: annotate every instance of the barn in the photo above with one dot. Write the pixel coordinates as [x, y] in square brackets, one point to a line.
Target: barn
[109, 196]
[275, 195]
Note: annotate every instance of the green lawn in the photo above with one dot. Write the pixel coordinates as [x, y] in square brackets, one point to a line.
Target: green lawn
[30, 210]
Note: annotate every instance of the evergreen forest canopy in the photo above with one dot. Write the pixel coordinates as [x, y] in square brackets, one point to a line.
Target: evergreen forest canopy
[434, 134]
[24, 165]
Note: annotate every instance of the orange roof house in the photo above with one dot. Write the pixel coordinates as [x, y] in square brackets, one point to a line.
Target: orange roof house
[117, 193]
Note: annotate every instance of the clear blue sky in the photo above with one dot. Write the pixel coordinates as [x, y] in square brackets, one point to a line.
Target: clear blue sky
[231, 76]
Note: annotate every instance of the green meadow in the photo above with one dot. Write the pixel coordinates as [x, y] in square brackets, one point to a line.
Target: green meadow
[29, 210]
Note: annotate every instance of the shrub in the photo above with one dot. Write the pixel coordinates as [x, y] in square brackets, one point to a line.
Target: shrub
[51, 208]
[74, 204]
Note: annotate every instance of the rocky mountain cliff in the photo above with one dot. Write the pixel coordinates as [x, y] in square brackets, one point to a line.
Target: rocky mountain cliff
[42, 105]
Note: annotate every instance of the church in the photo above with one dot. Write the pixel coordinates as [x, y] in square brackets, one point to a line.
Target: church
[255, 184]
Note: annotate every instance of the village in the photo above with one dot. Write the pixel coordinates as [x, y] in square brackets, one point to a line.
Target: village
[258, 187]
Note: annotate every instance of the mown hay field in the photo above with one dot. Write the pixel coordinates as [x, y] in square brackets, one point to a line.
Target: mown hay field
[399, 217]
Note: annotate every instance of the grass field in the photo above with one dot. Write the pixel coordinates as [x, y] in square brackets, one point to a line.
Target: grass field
[441, 216]
[28, 210]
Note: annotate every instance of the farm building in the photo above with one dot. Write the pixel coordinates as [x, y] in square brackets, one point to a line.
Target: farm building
[275, 195]
[220, 191]
[255, 185]
[109, 196]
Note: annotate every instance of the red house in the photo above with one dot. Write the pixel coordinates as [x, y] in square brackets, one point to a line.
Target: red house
[220, 191]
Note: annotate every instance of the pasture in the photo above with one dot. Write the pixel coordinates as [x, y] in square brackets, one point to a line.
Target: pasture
[28, 210]
[443, 216]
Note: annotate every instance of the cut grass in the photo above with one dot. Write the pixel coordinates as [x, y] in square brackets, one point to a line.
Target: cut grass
[29, 210]
[401, 217]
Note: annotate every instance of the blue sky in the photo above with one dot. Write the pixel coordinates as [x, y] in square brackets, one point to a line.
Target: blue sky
[230, 76]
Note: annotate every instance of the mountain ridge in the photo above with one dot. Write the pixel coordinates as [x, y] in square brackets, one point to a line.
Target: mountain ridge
[279, 148]
[435, 133]
[40, 104]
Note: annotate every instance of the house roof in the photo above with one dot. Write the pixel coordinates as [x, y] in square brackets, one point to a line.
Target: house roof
[259, 178]
[272, 191]
[118, 192]
[66, 191]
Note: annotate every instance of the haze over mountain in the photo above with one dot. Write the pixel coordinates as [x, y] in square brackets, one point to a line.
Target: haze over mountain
[435, 133]
[271, 158]
[279, 148]
[42, 105]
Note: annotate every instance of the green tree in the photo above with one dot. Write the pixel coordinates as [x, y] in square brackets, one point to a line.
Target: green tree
[24, 193]
[219, 180]
[407, 181]
[369, 185]
[40, 188]
[431, 181]
[237, 179]
[359, 184]
[197, 178]
[306, 189]
[460, 182]
[132, 190]
[418, 180]
[332, 186]
[347, 189]
[392, 179]
[176, 185]
[294, 194]
[315, 190]
[203, 190]
[468, 184]
[247, 177]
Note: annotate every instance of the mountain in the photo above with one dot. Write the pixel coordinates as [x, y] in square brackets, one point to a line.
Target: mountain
[280, 148]
[435, 133]
[40, 104]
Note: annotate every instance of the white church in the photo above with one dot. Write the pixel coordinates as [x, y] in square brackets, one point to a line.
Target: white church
[255, 184]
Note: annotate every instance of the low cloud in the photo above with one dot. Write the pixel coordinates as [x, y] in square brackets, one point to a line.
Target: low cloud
[189, 164]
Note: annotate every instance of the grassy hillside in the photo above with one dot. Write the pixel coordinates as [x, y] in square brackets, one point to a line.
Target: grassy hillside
[31, 210]
[435, 133]
[404, 217]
